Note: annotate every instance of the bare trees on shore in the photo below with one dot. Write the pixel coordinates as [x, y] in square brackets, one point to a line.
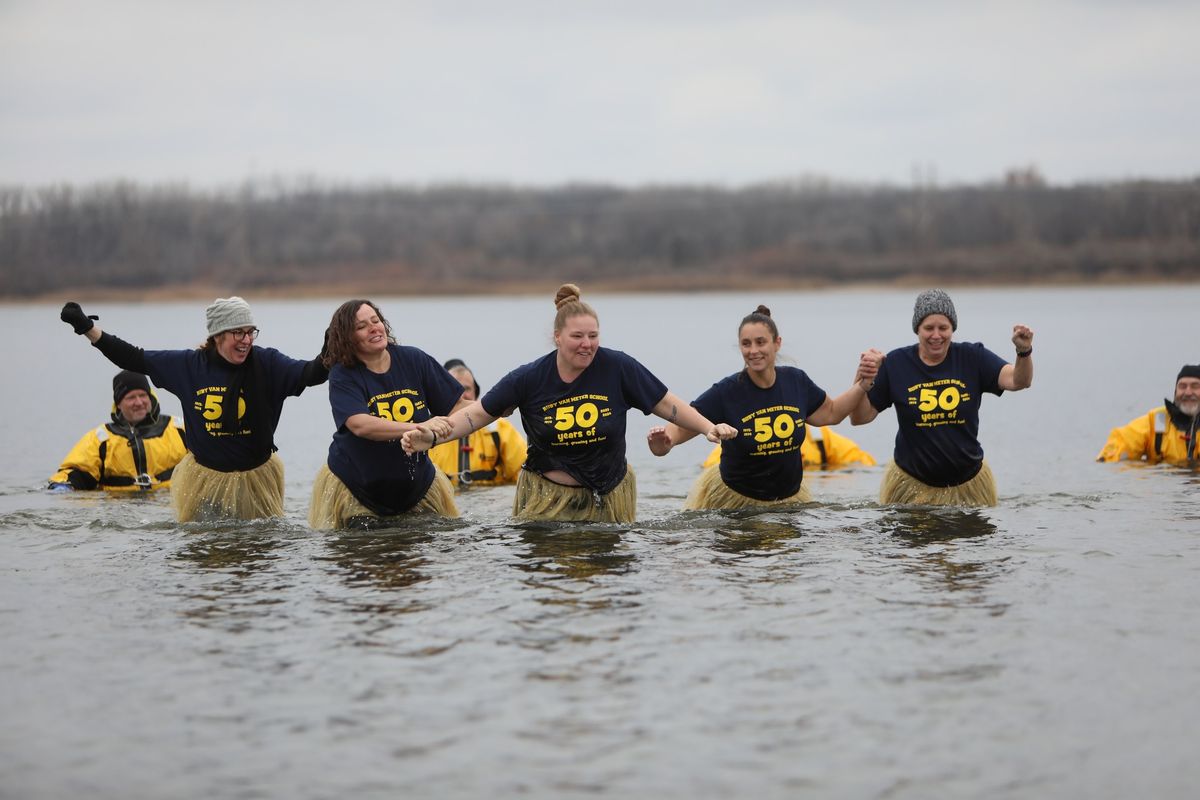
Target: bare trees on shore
[285, 236]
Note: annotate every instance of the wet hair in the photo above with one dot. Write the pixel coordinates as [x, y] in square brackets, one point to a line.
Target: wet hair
[762, 316]
[339, 344]
[567, 301]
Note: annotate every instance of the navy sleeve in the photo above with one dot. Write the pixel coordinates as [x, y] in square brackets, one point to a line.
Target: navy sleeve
[641, 388]
[121, 353]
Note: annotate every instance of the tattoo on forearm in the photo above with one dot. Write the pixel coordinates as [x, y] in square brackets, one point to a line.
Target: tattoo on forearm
[674, 413]
[470, 421]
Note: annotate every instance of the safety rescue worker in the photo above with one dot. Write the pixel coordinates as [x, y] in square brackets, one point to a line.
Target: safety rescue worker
[136, 452]
[490, 456]
[1166, 433]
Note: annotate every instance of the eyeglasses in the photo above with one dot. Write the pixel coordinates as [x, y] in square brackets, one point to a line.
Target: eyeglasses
[241, 335]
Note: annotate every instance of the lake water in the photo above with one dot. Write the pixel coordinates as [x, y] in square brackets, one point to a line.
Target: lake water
[1048, 647]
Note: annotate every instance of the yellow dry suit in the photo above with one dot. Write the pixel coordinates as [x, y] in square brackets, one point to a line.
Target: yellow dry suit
[121, 457]
[1162, 434]
[484, 458]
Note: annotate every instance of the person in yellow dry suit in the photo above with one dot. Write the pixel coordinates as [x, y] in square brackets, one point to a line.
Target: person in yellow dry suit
[1166, 433]
[136, 452]
[486, 457]
[821, 449]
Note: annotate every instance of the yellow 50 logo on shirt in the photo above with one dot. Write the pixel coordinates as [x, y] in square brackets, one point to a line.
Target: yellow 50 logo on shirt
[774, 429]
[213, 403]
[398, 411]
[210, 403]
[397, 408]
[581, 416]
[576, 421]
[938, 401]
[781, 427]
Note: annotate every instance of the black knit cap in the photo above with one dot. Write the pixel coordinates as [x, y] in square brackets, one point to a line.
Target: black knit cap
[125, 382]
[458, 362]
[1188, 371]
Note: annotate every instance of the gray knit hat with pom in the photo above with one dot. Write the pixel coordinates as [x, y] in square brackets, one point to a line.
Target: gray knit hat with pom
[227, 313]
[934, 301]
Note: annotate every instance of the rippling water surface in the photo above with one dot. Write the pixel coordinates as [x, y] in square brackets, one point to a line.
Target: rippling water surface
[1045, 648]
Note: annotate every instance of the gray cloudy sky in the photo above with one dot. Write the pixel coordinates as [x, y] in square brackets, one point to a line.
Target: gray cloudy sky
[527, 92]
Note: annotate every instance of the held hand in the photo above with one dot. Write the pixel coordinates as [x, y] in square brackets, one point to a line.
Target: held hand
[416, 441]
[73, 315]
[869, 364]
[1022, 338]
[721, 432]
[658, 441]
[439, 425]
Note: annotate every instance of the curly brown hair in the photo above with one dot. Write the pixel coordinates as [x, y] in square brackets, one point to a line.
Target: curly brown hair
[340, 347]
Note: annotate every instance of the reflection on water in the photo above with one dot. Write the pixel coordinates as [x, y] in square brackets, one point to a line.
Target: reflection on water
[241, 556]
[238, 551]
[919, 525]
[578, 553]
[756, 537]
[389, 559]
[936, 541]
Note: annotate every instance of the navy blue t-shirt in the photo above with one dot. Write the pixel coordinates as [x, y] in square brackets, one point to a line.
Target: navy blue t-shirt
[764, 460]
[200, 382]
[577, 427]
[937, 409]
[414, 389]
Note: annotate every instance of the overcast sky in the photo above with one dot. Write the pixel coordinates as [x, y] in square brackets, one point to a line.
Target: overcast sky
[534, 93]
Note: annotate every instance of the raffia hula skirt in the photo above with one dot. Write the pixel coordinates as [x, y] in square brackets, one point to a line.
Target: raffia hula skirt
[899, 487]
[710, 492]
[537, 498]
[333, 505]
[200, 493]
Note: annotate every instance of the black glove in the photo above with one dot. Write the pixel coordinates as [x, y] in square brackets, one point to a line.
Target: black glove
[73, 315]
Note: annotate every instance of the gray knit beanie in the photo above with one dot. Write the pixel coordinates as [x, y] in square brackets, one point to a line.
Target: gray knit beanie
[934, 301]
[227, 313]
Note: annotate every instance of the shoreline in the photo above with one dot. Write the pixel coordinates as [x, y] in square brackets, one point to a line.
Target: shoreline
[654, 285]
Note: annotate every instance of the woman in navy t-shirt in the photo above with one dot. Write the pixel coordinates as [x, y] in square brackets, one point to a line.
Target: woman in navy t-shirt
[232, 392]
[379, 389]
[936, 386]
[773, 406]
[573, 403]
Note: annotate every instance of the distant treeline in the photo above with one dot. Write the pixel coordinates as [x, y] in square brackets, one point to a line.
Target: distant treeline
[303, 236]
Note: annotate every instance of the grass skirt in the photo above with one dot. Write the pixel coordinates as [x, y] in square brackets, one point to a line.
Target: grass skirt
[538, 498]
[710, 492]
[333, 506]
[899, 487]
[200, 493]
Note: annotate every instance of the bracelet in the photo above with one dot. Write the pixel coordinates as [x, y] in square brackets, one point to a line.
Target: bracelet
[1026, 354]
[434, 435]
